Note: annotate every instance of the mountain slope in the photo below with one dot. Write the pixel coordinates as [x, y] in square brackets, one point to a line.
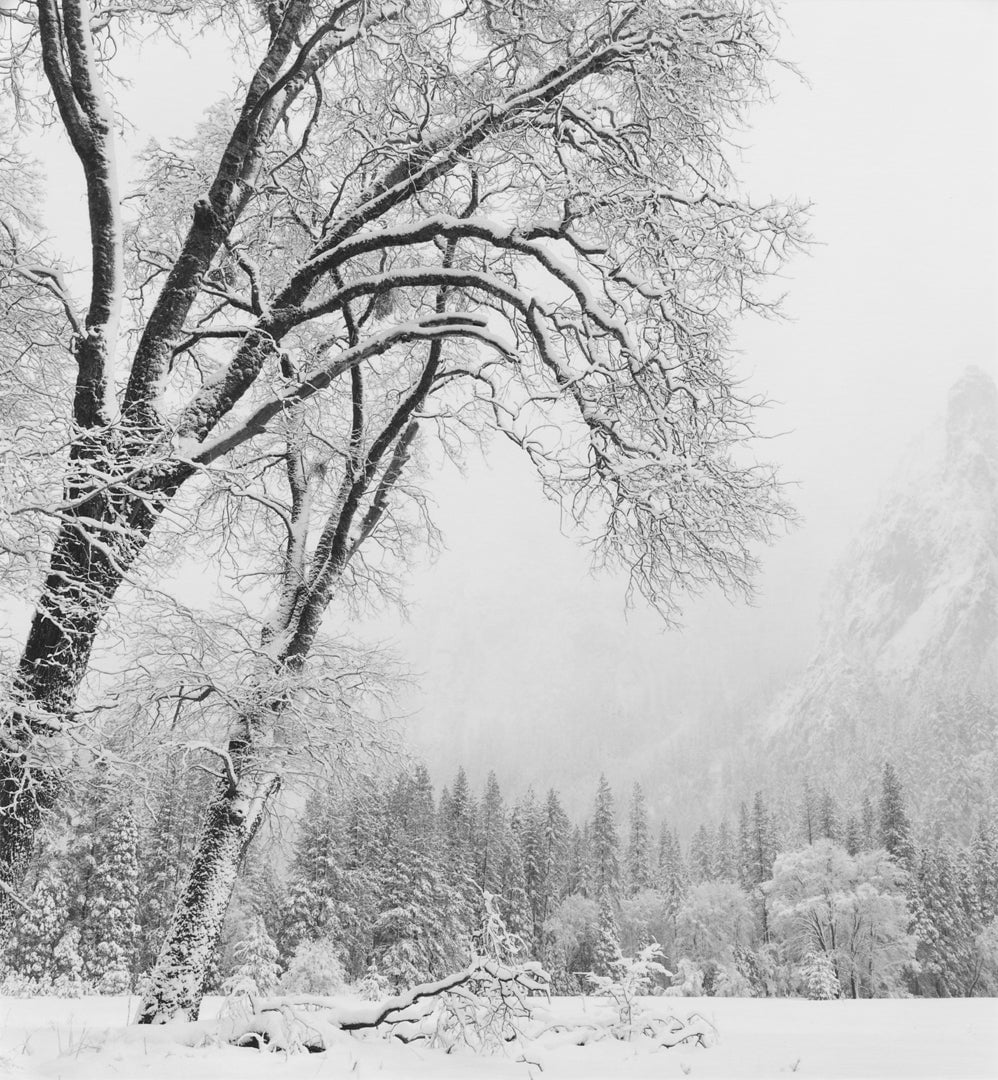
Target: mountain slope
[907, 663]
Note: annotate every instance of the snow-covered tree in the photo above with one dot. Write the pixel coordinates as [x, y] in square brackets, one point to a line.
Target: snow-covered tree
[817, 973]
[701, 856]
[809, 814]
[895, 827]
[571, 933]
[606, 949]
[41, 927]
[604, 844]
[829, 823]
[257, 969]
[714, 920]
[855, 909]
[457, 828]
[555, 851]
[725, 867]
[108, 933]
[646, 917]
[491, 838]
[639, 873]
[315, 968]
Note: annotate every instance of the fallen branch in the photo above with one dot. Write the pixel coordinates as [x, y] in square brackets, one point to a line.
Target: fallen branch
[306, 1021]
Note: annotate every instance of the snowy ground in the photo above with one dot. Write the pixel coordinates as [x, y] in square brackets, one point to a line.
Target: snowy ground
[89, 1038]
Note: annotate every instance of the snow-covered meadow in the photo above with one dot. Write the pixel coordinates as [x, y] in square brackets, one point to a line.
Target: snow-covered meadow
[89, 1038]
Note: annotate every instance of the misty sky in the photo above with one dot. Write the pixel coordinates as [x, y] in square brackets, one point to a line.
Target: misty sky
[525, 657]
[525, 660]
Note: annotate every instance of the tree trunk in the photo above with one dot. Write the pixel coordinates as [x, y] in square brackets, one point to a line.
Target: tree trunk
[178, 978]
[81, 583]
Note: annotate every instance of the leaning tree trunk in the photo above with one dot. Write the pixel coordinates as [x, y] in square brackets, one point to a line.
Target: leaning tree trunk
[82, 580]
[177, 982]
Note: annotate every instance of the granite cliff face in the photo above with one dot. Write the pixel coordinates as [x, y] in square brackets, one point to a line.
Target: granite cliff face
[906, 668]
[916, 599]
[907, 665]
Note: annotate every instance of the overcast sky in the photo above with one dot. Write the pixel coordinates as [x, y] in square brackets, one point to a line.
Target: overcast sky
[522, 655]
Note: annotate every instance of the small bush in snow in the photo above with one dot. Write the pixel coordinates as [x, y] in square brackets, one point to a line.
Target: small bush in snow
[632, 978]
[315, 968]
[687, 981]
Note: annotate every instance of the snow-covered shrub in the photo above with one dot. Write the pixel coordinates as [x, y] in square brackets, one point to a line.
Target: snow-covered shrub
[20, 986]
[315, 968]
[730, 982]
[687, 981]
[372, 986]
[631, 978]
[491, 1011]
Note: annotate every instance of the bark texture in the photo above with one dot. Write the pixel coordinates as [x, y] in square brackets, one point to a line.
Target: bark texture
[177, 983]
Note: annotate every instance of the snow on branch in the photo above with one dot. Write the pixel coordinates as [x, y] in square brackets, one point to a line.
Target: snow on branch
[427, 328]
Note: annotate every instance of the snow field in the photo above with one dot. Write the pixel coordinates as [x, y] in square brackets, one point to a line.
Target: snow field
[90, 1039]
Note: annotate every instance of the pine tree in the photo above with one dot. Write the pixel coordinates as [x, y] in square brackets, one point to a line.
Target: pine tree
[517, 911]
[423, 928]
[762, 855]
[457, 829]
[725, 866]
[578, 872]
[672, 880]
[491, 838]
[527, 827]
[895, 828]
[985, 864]
[638, 845]
[606, 954]
[109, 929]
[746, 856]
[31, 951]
[944, 928]
[317, 881]
[256, 964]
[809, 815]
[556, 844]
[829, 825]
[853, 839]
[701, 856]
[819, 978]
[421, 816]
[762, 851]
[869, 824]
[604, 844]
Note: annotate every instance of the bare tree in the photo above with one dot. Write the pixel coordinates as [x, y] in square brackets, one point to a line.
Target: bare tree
[412, 217]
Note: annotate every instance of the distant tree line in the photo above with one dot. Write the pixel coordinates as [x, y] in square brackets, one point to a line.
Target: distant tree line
[385, 885]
